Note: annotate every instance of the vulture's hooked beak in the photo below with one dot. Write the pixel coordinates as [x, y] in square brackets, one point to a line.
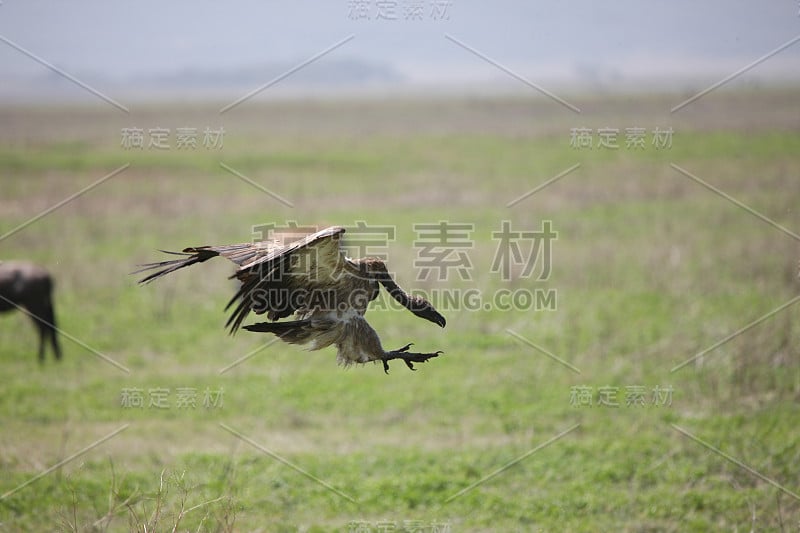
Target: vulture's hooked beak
[432, 315]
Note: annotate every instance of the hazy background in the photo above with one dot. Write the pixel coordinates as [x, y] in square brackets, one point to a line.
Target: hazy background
[146, 49]
[675, 268]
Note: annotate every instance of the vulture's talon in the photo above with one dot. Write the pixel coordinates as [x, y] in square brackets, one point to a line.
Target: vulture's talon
[407, 357]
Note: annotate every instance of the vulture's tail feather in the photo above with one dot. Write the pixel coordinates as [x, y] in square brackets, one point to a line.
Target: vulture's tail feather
[293, 331]
[276, 327]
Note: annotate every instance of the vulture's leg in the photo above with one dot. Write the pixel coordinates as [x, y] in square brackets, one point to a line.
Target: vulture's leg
[407, 357]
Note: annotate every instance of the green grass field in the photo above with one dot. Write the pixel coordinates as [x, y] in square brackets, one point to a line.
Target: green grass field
[651, 268]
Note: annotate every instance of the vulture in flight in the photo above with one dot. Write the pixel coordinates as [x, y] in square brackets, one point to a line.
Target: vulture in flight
[312, 279]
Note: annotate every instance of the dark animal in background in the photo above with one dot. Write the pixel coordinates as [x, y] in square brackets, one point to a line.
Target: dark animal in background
[28, 287]
[312, 279]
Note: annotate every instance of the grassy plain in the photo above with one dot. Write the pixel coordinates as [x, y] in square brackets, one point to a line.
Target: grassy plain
[651, 268]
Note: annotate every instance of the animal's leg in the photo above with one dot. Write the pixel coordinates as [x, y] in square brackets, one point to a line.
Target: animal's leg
[52, 330]
[41, 314]
[42, 339]
[407, 357]
[55, 344]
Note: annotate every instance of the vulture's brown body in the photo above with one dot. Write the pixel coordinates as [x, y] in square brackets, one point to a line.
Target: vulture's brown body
[312, 281]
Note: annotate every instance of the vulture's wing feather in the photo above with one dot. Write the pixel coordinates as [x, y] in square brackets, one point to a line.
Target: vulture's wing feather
[238, 253]
[283, 280]
[269, 272]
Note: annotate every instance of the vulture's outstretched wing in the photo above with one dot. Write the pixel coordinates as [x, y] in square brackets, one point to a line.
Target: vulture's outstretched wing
[271, 274]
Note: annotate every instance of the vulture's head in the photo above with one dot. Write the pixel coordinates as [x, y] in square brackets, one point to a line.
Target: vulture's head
[423, 309]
